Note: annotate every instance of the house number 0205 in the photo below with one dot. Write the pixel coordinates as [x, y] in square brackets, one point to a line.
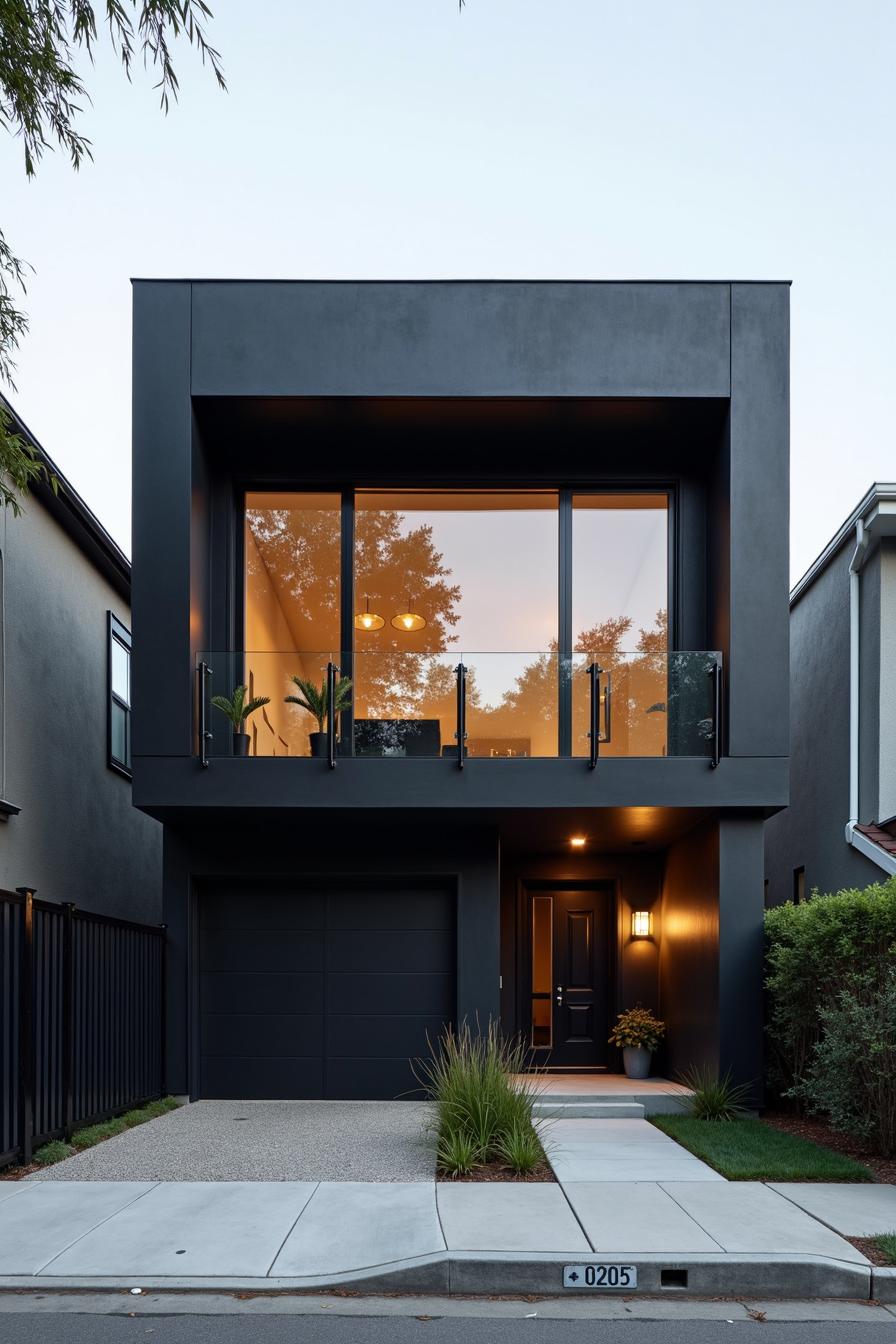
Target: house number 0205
[600, 1276]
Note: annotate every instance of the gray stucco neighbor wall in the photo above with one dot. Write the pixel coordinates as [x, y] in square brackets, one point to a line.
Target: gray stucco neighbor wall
[77, 837]
[810, 833]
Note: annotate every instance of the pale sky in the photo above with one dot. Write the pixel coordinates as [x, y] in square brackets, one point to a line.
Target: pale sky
[522, 138]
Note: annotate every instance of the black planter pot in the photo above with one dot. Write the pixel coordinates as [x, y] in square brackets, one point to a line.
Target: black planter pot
[318, 743]
[241, 744]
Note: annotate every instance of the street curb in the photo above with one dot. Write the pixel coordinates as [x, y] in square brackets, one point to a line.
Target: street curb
[487, 1272]
[883, 1284]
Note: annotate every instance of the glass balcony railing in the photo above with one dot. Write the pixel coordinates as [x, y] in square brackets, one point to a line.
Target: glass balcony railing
[500, 706]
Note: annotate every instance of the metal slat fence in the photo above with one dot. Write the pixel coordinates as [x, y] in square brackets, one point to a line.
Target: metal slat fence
[81, 1019]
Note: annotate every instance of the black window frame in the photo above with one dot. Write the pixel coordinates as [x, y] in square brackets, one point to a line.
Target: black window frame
[799, 885]
[116, 632]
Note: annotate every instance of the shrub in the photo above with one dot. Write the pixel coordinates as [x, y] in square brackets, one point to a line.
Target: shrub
[639, 1028]
[813, 951]
[714, 1098]
[52, 1152]
[852, 1075]
[479, 1114]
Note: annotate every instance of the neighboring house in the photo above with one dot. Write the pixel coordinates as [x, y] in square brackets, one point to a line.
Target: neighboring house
[512, 512]
[69, 828]
[840, 828]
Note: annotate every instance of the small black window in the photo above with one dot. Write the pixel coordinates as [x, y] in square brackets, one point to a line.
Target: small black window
[799, 885]
[765, 893]
[119, 696]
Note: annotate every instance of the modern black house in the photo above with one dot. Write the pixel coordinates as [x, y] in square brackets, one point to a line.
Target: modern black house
[525, 544]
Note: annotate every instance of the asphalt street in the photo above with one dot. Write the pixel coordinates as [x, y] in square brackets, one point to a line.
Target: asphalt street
[40, 1327]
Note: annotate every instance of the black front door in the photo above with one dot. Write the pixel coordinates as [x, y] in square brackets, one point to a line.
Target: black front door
[569, 977]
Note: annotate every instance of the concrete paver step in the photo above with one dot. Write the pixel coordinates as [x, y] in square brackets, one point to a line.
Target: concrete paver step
[578, 1108]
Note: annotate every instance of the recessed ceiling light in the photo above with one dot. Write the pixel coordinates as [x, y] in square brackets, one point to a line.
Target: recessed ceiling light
[577, 841]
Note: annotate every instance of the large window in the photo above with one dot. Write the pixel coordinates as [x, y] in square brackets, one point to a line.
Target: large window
[620, 588]
[448, 576]
[292, 608]
[398, 586]
[119, 695]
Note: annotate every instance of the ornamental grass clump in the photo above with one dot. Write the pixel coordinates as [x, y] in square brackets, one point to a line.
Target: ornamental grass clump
[479, 1115]
[714, 1097]
[637, 1029]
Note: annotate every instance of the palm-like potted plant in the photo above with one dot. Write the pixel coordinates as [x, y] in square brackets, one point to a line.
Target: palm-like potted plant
[314, 698]
[638, 1033]
[237, 709]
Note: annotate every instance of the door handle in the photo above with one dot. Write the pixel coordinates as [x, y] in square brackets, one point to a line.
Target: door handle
[560, 994]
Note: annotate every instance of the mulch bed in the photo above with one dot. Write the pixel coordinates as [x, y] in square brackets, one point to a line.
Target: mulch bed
[18, 1173]
[871, 1252]
[818, 1131]
[495, 1171]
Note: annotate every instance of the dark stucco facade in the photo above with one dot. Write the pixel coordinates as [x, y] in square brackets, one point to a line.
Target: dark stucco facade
[456, 385]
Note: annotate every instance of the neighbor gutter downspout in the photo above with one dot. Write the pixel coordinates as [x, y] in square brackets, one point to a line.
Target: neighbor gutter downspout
[855, 837]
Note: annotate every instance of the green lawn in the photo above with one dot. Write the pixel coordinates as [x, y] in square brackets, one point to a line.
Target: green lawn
[748, 1150]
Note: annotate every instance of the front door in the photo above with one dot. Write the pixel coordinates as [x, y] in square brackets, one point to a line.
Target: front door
[569, 977]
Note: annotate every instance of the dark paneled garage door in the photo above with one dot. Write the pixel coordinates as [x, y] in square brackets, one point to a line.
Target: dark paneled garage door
[321, 991]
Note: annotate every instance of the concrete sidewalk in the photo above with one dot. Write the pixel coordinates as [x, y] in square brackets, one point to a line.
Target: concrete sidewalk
[706, 1237]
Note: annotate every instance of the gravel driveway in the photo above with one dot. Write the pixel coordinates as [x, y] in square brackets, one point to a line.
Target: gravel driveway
[265, 1141]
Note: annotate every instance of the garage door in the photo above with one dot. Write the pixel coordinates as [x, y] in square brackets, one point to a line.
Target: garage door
[321, 991]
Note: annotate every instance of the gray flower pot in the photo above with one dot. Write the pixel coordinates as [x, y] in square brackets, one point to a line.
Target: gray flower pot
[637, 1061]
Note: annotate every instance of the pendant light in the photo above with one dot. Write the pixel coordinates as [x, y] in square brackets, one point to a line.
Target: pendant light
[367, 619]
[408, 620]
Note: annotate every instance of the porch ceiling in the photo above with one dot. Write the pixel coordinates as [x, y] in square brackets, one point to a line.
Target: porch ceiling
[548, 830]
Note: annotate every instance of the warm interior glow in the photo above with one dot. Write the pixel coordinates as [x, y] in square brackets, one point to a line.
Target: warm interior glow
[577, 841]
[640, 923]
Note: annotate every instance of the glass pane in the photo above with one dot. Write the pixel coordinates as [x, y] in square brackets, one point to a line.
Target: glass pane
[120, 744]
[121, 670]
[542, 944]
[542, 970]
[292, 576]
[437, 572]
[651, 704]
[620, 586]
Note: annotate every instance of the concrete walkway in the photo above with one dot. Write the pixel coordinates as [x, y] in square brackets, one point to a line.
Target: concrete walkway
[712, 1237]
[620, 1150]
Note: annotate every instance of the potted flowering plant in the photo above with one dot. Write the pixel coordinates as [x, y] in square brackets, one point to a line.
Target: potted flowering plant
[638, 1033]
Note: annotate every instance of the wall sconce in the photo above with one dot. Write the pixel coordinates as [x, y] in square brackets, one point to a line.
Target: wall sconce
[642, 924]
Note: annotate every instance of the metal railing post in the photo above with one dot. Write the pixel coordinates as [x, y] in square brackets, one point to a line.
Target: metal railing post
[68, 1019]
[331, 715]
[26, 1025]
[594, 672]
[716, 673]
[461, 734]
[204, 735]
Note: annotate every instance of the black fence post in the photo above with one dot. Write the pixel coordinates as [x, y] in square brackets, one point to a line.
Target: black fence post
[26, 1025]
[163, 1009]
[68, 1019]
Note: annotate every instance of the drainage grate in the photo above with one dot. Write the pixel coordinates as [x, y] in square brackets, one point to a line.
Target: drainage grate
[673, 1278]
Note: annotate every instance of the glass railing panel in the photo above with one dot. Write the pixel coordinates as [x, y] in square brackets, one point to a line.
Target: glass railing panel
[513, 705]
[651, 704]
[404, 704]
[279, 727]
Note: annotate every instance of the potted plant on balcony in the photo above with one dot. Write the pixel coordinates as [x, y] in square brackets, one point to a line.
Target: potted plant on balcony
[638, 1033]
[314, 699]
[237, 709]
